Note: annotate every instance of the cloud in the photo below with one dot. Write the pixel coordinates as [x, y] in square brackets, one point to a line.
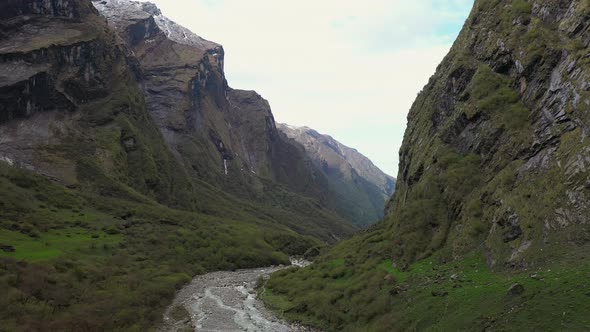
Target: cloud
[350, 69]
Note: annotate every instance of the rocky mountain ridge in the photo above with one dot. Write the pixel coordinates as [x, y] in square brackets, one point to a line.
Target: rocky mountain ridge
[213, 135]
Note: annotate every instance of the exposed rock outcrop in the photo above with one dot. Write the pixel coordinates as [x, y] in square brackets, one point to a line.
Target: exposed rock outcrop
[62, 72]
[496, 145]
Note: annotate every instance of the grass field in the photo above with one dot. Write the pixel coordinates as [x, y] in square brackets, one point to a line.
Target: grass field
[55, 243]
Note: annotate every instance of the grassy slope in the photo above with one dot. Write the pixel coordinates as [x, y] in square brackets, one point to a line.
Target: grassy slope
[105, 255]
[359, 200]
[355, 288]
[91, 262]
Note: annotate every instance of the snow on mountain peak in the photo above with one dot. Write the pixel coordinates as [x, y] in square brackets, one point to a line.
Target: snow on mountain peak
[118, 11]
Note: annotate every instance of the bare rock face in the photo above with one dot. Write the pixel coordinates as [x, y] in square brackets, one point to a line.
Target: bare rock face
[177, 71]
[363, 186]
[54, 59]
[72, 9]
[496, 146]
[223, 136]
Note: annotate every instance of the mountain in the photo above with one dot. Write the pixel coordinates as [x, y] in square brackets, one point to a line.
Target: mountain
[488, 227]
[128, 165]
[143, 104]
[361, 184]
[223, 136]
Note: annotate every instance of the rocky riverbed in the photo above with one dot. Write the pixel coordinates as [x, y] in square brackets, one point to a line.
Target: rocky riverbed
[225, 301]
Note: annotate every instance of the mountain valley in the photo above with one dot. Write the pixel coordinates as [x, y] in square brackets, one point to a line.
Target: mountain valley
[129, 165]
[139, 191]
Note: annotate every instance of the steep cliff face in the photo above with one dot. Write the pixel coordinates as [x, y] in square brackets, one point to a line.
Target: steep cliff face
[71, 107]
[227, 137]
[139, 106]
[52, 8]
[362, 186]
[496, 147]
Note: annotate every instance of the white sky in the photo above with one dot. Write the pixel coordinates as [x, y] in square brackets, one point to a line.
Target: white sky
[350, 69]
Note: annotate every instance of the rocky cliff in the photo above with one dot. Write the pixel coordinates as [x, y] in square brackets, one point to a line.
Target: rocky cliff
[139, 102]
[224, 136]
[71, 105]
[488, 228]
[496, 146]
[361, 184]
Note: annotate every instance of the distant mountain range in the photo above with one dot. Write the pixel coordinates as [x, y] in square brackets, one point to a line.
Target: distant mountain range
[350, 174]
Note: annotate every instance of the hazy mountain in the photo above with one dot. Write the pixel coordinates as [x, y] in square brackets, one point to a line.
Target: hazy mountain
[353, 176]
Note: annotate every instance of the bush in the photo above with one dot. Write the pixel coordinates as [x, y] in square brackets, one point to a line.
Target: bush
[493, 97]
[521, 7]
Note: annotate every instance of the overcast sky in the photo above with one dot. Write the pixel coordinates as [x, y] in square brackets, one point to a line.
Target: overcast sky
[350, 69]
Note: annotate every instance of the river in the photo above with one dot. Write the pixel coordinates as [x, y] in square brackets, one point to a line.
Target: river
[225, 301]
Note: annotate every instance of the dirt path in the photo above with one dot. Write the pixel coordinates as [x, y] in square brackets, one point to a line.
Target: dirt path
[224, 301]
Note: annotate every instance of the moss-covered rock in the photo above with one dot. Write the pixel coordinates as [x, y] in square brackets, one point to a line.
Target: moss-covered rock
[501, 98]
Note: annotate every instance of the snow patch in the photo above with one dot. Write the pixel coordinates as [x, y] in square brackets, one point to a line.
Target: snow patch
[117, 11]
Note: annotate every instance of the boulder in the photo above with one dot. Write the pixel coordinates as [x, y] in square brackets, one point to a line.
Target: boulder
[439, 293]
[516, 289]
[389, 278]
[7, 248]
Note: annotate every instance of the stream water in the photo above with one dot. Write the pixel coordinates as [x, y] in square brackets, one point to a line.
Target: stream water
[226, 301]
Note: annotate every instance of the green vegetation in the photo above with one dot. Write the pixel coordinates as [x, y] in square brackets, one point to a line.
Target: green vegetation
[53, 244]
[179, 313]
[90, 262]
[433, 204]
[521, 7]
[364, 292]
[492, 94]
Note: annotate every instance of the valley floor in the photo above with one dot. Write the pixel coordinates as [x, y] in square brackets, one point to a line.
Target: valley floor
[224, 301]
